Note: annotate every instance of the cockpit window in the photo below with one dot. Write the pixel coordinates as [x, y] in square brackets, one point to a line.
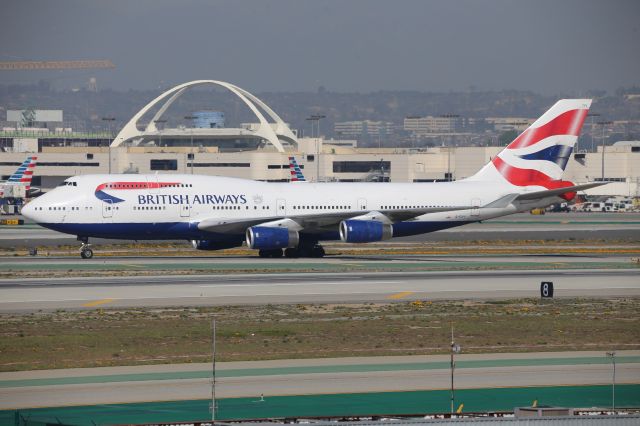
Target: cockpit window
[66, 183]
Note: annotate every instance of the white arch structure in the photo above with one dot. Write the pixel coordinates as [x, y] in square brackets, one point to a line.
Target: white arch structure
[265, 130]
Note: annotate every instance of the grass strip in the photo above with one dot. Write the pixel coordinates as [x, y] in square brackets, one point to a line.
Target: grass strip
[319, 369]
[110, 337]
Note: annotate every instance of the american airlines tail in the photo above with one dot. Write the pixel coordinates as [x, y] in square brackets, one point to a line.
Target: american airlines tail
[22, 176]
[294, 169]
[537, 158]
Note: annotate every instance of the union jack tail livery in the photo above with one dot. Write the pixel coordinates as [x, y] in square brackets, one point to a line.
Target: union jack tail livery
[22, 176]
[539, 155]
[294, 169]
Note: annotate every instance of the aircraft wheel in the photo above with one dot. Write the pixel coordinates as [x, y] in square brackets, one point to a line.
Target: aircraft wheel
[291, 253]
[317, 251]
[86, 253]
[274, 253]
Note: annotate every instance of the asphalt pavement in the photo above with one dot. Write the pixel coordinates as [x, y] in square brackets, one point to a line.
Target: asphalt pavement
[33, 294]
[316, 376]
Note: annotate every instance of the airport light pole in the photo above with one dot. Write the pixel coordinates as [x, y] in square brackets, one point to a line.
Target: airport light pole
[309, 119]
[603, 123]
[191, 117]
[162, 121]
[592, 114]
[449, 116]
[455, 349]
[109, 120]
[316, 118]
[213, 371]
[612, 355]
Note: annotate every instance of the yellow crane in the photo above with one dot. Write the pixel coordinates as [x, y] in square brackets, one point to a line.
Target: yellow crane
[54, 65]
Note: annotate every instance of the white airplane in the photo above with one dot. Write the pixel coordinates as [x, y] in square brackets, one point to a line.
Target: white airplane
[19, 183]
[280, 218]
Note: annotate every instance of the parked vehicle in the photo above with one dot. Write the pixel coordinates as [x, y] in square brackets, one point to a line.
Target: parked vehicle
[597, 207]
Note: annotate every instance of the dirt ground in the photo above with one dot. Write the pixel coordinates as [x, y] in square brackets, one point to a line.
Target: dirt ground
[173, 335]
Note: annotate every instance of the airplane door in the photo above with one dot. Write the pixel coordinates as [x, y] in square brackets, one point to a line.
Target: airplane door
[281, 207]
[107, 208]
[185, 210]
[476, 210]
[362, 204]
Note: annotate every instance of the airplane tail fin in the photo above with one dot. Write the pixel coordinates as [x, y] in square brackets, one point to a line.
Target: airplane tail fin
[296, 172]
[539, 155]
[23, 175]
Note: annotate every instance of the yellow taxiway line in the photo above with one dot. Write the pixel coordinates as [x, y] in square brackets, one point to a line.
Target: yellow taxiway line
[97, 303]
[400, 295]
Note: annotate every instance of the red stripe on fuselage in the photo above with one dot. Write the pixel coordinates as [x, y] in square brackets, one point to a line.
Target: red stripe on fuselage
[135, 185]
[567, 123]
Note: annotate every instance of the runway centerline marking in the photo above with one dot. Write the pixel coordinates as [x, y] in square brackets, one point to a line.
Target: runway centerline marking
[400, 295]
[97, 303]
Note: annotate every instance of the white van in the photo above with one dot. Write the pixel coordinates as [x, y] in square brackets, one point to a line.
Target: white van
[597, 207]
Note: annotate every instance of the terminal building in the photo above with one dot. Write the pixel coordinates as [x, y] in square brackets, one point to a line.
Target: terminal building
[261, 151]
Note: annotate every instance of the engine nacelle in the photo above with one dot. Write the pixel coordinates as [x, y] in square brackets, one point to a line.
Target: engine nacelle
[364, 231]
[215, 245]
[268, 238]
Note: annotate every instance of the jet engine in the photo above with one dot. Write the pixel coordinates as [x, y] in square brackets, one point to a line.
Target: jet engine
[268, 238]
[215, 245]
[364, 231]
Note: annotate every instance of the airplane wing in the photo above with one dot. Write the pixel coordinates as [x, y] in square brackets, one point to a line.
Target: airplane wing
[558, 191]
[319, 222]
[504, 201]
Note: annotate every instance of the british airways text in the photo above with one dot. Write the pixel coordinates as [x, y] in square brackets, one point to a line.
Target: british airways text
[196, 199]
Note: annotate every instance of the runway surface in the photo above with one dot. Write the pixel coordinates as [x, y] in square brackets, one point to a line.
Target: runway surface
[32, 294]
[523, 226]
[317, 376]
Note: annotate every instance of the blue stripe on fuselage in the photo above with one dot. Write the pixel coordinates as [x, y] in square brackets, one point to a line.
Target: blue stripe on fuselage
[132, 231]
[190, 231]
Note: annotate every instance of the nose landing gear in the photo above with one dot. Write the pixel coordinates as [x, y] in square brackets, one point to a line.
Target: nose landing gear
[85, 248]
[86, 252]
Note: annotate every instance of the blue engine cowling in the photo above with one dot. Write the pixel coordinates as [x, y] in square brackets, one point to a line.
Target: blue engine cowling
[364, 231]
[215, 245]
[268, 238]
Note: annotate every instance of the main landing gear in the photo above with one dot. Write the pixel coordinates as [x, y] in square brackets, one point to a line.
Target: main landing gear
[85, 248]
[315, 250]
[311, 250]
[271, 253]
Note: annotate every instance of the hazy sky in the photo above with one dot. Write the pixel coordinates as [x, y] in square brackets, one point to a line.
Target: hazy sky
[548, 46]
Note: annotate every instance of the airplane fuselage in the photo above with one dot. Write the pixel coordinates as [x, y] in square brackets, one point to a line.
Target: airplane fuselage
[151, 207]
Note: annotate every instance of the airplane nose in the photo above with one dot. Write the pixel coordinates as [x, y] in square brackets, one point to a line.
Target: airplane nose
[28, 211]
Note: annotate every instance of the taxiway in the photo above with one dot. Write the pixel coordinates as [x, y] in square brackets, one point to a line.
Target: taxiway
[33, 294]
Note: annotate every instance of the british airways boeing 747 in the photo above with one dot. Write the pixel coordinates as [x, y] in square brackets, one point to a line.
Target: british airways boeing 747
[284, 219]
